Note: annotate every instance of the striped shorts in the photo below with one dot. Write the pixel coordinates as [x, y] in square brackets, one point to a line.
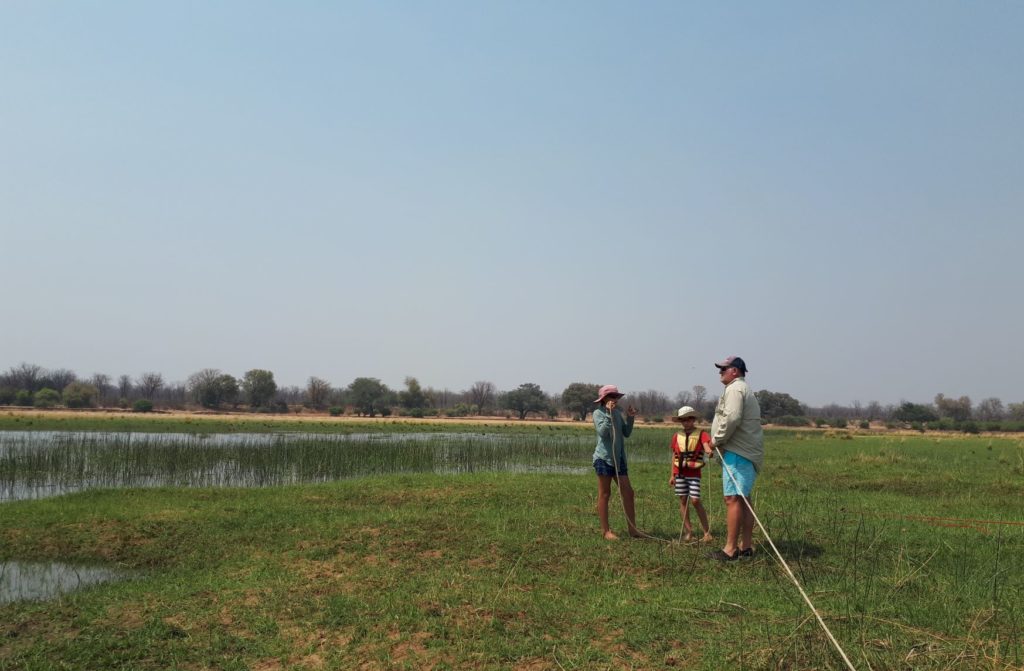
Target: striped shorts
[688, 487]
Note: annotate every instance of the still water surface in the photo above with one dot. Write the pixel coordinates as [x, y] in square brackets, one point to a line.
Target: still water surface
[35, 581]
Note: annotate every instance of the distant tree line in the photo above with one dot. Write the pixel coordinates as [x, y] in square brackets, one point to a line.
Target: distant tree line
[30, 385]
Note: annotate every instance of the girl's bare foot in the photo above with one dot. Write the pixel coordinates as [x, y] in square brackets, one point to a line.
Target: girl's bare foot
[635, 534]
[610, 536]
[707, 538]
[688, 537]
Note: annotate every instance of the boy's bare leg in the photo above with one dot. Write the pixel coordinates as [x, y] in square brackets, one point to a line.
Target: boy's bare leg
[684, 510]
[703, 515]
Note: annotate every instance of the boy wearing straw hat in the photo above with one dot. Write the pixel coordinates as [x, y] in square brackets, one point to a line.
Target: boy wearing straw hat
[690, 449]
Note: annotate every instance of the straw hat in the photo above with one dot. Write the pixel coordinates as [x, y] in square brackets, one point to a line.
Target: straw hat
[684, 412]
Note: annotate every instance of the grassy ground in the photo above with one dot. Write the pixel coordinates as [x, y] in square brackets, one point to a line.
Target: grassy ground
[910, 547]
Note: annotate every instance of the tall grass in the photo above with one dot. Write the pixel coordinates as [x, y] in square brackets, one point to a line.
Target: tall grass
[51, 463]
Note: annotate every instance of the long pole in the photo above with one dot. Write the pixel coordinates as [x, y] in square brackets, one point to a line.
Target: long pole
[828, 632]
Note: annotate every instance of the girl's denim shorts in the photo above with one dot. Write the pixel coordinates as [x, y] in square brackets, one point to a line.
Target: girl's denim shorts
[602, 467]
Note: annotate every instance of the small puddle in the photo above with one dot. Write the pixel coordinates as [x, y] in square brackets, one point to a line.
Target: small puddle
[38, 581]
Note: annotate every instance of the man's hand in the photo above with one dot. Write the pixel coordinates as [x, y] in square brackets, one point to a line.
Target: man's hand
[631, 411]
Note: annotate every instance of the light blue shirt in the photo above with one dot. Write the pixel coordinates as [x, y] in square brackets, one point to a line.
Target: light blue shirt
[605, 423]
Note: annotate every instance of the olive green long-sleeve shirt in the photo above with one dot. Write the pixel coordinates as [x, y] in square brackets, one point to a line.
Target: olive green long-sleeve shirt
[737, 424]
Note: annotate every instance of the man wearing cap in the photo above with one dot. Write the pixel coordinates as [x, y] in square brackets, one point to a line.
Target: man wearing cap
[736, 433]
[610, 457]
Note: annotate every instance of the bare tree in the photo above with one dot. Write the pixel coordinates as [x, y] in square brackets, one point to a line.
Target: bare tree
[440, 398]
[25, 376]
[290, 395]
[58, 378]
[149, 383]
[207, 388]
[317, 392]
[481, 395]
[990, 409]
[958, 410]
[102, 383]
[651, 403]
[700, 395]
[124, 386]
[174, 394]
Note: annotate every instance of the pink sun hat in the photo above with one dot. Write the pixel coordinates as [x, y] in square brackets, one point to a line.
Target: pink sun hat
[608, 390]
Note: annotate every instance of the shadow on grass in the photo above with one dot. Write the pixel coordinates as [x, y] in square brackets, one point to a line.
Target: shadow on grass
[794, 550]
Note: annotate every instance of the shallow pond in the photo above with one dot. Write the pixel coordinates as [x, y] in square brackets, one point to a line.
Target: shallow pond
[35, 581]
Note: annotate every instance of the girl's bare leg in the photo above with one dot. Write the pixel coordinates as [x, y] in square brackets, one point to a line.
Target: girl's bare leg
[604, 493]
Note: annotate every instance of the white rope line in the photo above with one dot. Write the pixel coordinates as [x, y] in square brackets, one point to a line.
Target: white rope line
[782, 561]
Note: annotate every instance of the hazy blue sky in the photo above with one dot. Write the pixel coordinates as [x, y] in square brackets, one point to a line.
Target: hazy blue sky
[518, 192]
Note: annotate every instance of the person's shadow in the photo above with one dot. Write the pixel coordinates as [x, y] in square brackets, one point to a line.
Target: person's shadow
[792, 550]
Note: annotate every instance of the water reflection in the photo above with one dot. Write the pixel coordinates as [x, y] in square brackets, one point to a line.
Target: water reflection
[35, 581]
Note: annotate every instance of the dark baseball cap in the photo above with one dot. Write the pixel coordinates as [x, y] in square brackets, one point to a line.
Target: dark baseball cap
[733, 362]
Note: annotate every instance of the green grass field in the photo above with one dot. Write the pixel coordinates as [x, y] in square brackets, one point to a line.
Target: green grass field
[909, 546]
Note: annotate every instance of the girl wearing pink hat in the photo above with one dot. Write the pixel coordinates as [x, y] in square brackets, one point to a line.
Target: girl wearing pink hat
[610, 457]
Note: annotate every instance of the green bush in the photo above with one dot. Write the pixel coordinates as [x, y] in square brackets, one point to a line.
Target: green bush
[142, 405]
[970, 426]
[80, 395]
[7, 395]
[23, 397]
[864, 424]
[838, 423]
[658, 419]
[820, 422]
[336, 410]
[46, 398]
